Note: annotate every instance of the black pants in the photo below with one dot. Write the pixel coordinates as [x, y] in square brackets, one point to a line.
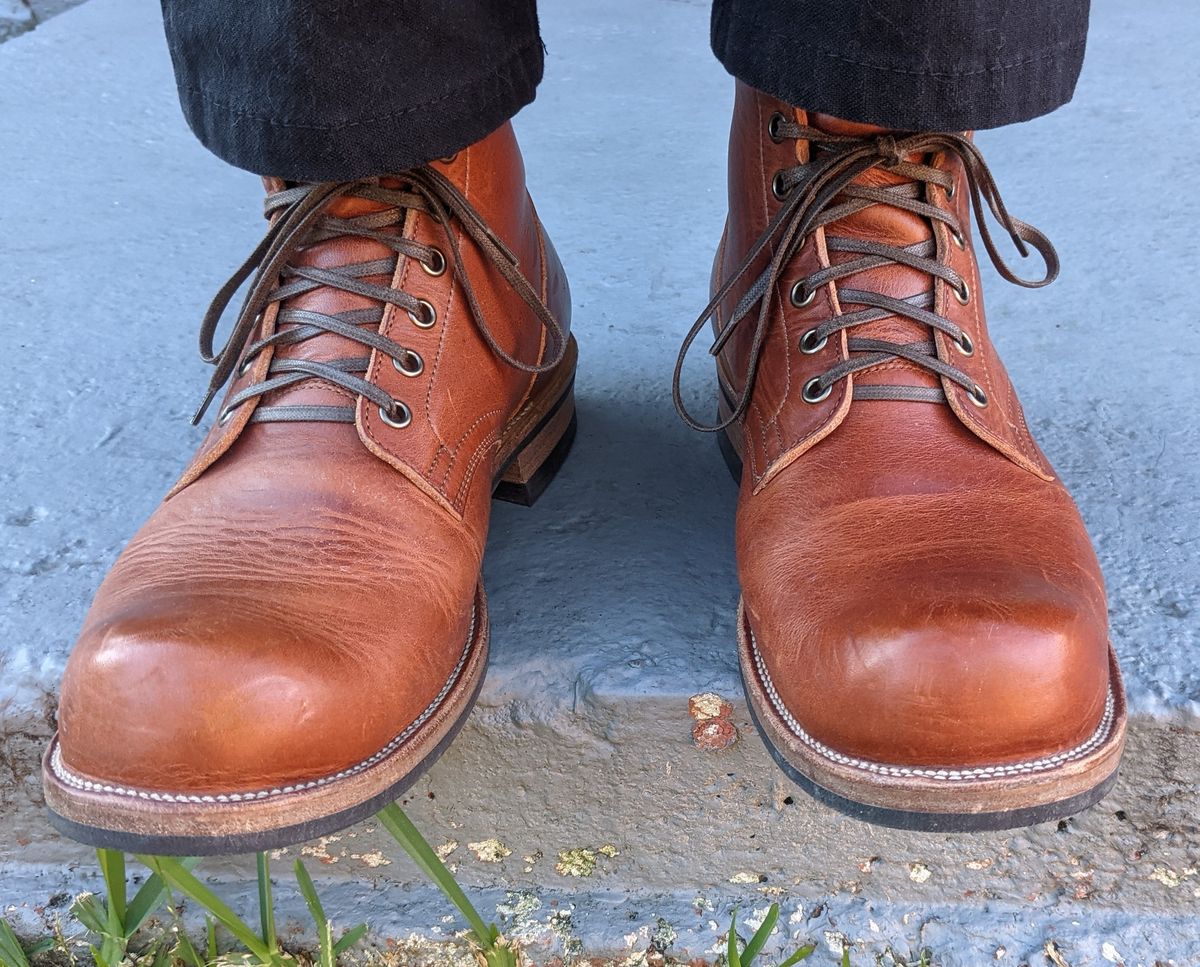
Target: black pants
[325, 90]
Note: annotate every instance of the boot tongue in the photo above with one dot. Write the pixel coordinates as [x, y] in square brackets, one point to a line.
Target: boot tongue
[328, 254]
[891, 226]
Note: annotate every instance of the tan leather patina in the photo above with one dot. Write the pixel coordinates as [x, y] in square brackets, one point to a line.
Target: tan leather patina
[924, 630]
[300, 627]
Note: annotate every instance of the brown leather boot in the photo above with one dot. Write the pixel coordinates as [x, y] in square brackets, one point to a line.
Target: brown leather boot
[300, 629]
[923, 631]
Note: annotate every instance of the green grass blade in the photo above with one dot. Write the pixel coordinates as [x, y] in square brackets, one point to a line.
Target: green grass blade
[12, 954]
[112, 866]
[756, 942]
[731, 951]
[149, 898]
[845, 957]
[309, 891]
[210, 934]
[89, 912]
[394, 820]
[327, 956]
[266, 903]
[802, 954]
[186, 951]
[172, 871]
[350, 938]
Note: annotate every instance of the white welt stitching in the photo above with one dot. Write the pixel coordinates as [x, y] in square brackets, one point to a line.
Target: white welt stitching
[79, 782]
[952, 775]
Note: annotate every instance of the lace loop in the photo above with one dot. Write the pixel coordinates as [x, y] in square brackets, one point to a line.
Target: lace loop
[299, 216]
[822, 191]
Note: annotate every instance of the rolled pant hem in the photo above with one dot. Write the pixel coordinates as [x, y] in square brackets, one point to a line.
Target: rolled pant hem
[894, 97]
[411, 135]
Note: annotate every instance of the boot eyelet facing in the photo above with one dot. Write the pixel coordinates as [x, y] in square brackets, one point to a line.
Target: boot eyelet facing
[964, 345]
[779, 186]
[963, 295]
[957, 239]
[410, 364]
[977, 396]
[399, 418]
[809, 343]
[773, 127]
[801, 295]
[436, 264]
[428, 317]
[812, 392]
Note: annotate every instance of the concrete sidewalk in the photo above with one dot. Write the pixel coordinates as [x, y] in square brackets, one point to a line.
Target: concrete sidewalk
[613, 600]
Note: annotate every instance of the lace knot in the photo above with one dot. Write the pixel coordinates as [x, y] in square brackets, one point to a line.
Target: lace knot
[887, 149]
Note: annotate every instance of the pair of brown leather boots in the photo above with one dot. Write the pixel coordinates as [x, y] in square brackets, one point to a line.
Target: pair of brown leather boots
[300, 628]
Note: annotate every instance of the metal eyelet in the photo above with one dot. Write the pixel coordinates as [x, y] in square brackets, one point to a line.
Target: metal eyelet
[801, 296]
[778, 188]
[398, 422]
[977, 396]
[950, 191]
[812, 392]
[773, 127]
[437, 264]
[963, 295]
[957, 239]
[809, 343]
[225, 415]
[428, 317]
[964, 345]
[413, 364]
[246, 366]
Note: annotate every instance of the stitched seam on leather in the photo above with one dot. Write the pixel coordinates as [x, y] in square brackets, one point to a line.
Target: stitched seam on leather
[443, 335]
[489, 441]
[79, 782]
[923, 772]
[453, 452]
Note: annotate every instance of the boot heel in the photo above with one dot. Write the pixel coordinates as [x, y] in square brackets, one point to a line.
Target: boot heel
[537, 441]
[540, 456]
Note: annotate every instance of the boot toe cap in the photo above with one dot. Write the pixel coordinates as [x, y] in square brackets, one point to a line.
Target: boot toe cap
[183, 697]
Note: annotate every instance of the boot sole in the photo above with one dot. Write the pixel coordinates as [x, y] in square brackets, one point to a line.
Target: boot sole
[974, 799]
[532, 449]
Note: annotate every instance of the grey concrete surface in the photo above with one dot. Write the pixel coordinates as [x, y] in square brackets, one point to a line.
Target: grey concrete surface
[19, 16]
[613, 599]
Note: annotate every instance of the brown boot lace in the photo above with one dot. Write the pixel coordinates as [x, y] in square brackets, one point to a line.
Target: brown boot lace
[299, 217]
[821, 192]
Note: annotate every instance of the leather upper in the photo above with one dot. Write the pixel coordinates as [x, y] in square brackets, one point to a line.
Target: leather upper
[918, 583]
[307, 589]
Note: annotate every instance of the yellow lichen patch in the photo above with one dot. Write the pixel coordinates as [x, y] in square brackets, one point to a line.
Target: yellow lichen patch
[919, 872]
[747, 876]
[608, 850]
[446, 848]
[489, 850]
[580, 861]
[374, 859]
[709, 705]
